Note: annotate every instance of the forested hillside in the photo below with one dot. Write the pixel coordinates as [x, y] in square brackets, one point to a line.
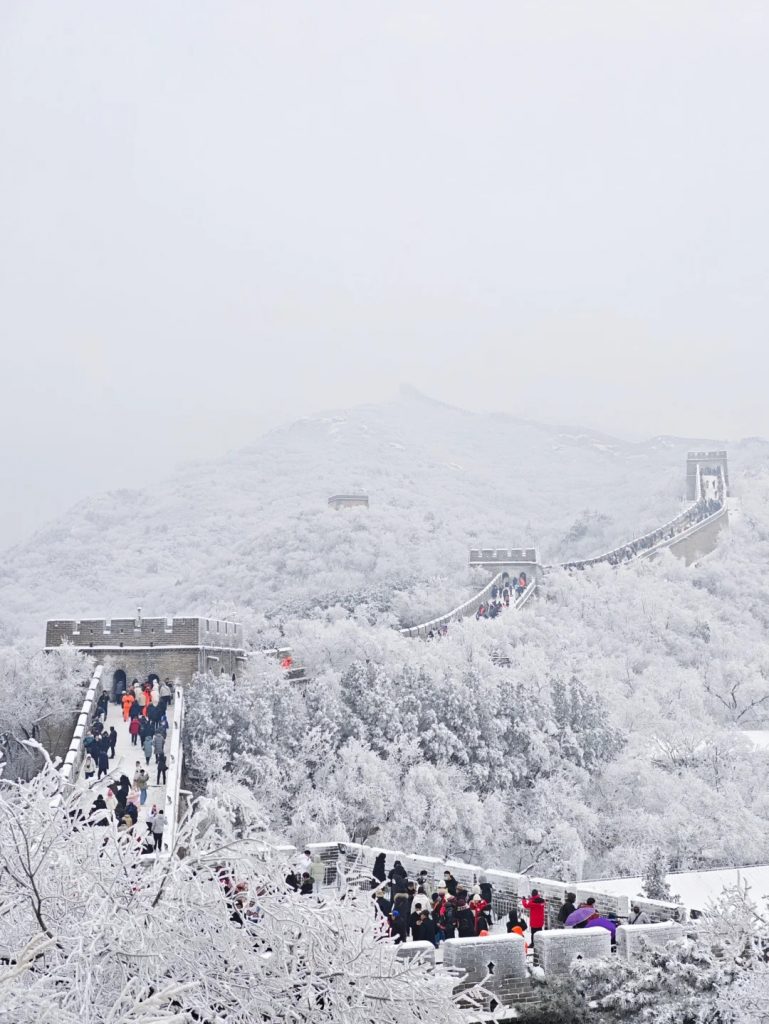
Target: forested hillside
[251, 534]
[615, 728]
[612, 725]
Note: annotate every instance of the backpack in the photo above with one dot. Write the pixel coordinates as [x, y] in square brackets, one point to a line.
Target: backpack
[465, 923]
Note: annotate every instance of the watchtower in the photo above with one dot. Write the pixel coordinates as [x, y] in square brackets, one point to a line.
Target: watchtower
[514, 560]
[173, 648]
[703, 461]
[337, 501]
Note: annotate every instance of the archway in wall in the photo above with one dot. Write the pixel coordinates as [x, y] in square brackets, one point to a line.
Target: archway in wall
[119, 681]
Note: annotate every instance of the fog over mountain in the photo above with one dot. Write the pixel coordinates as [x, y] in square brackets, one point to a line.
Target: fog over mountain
[252, 533]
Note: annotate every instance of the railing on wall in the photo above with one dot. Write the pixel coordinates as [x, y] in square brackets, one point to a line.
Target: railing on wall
[669, 534]
[74, 757]
[695, 528]
[171, 810]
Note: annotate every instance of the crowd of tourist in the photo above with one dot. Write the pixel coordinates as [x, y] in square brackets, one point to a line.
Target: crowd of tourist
[415, 909]
[500, 596]
[144, 711]
[699, 511]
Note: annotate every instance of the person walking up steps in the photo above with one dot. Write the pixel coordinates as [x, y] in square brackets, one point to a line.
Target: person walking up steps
[158, 744]
[147, 747]
[133, 728]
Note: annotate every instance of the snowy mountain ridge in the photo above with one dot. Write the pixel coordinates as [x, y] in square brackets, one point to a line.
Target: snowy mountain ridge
[251, 532]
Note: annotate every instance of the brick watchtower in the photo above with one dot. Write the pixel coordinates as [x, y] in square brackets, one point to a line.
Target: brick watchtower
[137, 648]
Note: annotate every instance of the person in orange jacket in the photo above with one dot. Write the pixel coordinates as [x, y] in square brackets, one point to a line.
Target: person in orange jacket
[127, 701]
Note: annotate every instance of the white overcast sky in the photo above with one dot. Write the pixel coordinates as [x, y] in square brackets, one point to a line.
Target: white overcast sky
[218, 215]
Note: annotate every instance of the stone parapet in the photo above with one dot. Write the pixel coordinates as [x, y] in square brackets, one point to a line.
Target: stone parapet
[557, 950]
[632, 938]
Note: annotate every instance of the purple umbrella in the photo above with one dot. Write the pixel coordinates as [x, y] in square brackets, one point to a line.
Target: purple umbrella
[603, 922]
[579, 915]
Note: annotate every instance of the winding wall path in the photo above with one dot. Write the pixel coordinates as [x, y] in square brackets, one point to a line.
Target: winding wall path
[690, 535]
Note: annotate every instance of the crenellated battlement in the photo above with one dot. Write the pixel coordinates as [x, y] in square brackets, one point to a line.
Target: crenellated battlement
[497, 558]
[176, 647]
[144, 632]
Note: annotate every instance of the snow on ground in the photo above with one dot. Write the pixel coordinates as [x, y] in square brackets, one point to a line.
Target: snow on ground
[696, 889]
[124, 763]
[758, 738]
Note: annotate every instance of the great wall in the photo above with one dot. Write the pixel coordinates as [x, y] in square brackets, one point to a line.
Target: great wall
[180, 647]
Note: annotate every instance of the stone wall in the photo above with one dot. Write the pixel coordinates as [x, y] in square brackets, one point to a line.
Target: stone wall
[631, 938]
[701, 541]
[424, 951]
[497, 962]
[557, 950]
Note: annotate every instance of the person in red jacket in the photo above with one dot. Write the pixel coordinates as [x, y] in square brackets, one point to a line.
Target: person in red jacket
[536, 908]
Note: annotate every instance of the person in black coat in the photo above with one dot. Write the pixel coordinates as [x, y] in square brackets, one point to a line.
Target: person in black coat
[378, 870]
[399, 926]
[99, 811]
[305, 888]
[121, 789]
[112, 740]
[569, 906]
[398, 879]
[397, 871]
[450, 882]
[465, 920]
[425, 928]
[486, 892]
[514, 921]
[103, 762]
[383, 903]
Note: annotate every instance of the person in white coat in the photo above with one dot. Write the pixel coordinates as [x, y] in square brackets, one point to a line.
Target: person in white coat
[317, 872]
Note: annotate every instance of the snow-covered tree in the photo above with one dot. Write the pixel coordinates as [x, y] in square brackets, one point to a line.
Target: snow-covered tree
[40, 695]
[92, 932]
[655, 884]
